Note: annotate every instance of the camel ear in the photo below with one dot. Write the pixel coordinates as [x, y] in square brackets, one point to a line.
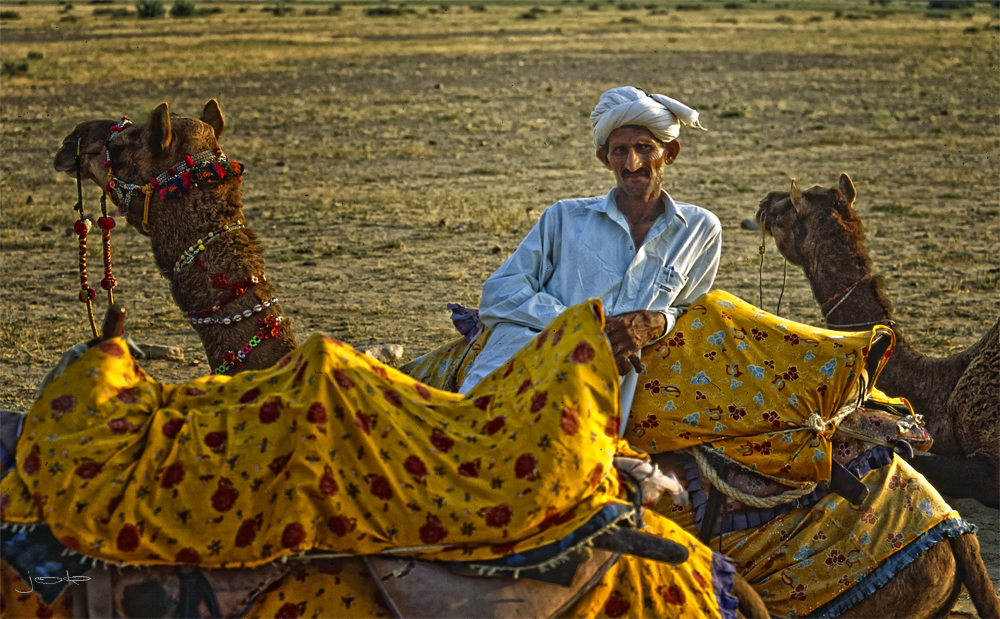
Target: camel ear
[212, 115]
[796, 196]
[847, 188]
[159, 122]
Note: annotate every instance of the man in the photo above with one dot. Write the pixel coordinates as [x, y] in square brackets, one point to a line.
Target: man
[645, 256]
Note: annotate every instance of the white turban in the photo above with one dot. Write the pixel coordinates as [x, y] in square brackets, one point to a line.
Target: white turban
[630, 106]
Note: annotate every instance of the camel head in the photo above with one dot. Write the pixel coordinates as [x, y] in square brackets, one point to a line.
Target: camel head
[802, 222]
[139, 152]
[91, 137]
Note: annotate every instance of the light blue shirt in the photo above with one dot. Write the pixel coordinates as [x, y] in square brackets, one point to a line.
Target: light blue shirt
[583, 249]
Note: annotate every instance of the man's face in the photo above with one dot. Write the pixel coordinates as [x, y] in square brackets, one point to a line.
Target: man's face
[638, 160]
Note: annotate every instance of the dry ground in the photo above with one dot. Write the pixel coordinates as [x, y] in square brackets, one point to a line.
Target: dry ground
[394, 162]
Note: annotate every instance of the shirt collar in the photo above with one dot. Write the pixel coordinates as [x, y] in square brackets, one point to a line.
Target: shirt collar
[670, 207]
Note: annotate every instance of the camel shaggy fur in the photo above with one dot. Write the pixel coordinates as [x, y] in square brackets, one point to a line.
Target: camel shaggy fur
[958, 395]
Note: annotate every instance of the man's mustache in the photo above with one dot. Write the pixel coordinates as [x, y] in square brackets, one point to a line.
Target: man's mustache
[639, 172]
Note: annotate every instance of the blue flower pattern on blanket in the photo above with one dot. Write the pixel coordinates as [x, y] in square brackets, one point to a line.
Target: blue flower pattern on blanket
[755, 380]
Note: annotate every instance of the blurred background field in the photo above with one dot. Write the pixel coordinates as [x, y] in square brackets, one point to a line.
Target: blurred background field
[396, 153]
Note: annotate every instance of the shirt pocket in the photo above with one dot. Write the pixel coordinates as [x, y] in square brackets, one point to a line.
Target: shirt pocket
[669, 285]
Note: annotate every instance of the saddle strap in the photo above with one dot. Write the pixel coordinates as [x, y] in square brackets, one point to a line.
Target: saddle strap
[95, 601]
[196, 589]
[713, 508]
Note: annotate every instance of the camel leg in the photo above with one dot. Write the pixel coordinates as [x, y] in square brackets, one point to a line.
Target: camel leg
[974, 575]
[963, 477]
[751, 605]
[921, 589]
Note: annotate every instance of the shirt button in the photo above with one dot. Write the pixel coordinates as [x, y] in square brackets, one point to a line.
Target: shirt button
[630, 247]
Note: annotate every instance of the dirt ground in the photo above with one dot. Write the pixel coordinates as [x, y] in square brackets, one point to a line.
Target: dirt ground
[393, 162]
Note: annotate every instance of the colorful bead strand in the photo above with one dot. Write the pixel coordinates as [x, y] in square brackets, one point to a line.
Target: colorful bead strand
[87, 294]
[269, 328]
[107, 224]
[199, 246]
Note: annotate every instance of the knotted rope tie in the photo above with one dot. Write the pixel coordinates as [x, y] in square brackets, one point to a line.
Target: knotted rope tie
[708, 471]
[148, 190]
[815, 423]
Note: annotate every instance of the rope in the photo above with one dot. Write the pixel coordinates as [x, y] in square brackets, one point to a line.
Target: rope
[886, 323]
[760, 269]
[148, 190]
[82, 227]
[784, 278]
[708, 471]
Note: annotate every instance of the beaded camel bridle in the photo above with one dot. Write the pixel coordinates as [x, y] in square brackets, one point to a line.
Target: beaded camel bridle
[208, 165]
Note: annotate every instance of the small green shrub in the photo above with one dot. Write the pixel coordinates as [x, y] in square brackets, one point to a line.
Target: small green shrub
[105, 11]
[14, 67]
[182, 8]
[35, 55]
[10, 15]
[149, 9]
[950, 4]
[733, 113]
[384, 11]
[478, 8]
[212, 10]
[279, 10]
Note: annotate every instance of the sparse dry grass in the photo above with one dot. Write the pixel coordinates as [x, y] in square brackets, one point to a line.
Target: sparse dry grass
[388, 156]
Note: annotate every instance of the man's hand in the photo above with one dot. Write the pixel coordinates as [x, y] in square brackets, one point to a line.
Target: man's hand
[629, 333]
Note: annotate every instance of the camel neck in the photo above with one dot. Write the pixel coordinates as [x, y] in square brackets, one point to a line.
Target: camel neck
[217, 275]
[908, 372]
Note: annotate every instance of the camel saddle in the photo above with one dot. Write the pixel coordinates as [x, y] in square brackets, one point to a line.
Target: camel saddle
[405, 584]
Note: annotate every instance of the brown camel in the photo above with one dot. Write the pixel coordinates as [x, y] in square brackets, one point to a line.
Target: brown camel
[923, 588]
[958, 396]
[213, 286]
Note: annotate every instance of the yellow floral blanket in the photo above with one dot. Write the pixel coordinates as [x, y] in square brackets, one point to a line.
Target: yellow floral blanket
[806, 558]
[330, 450]
[326, 450]
[755, 387]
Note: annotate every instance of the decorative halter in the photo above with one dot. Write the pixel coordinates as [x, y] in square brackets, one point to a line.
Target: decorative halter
[207, 165]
